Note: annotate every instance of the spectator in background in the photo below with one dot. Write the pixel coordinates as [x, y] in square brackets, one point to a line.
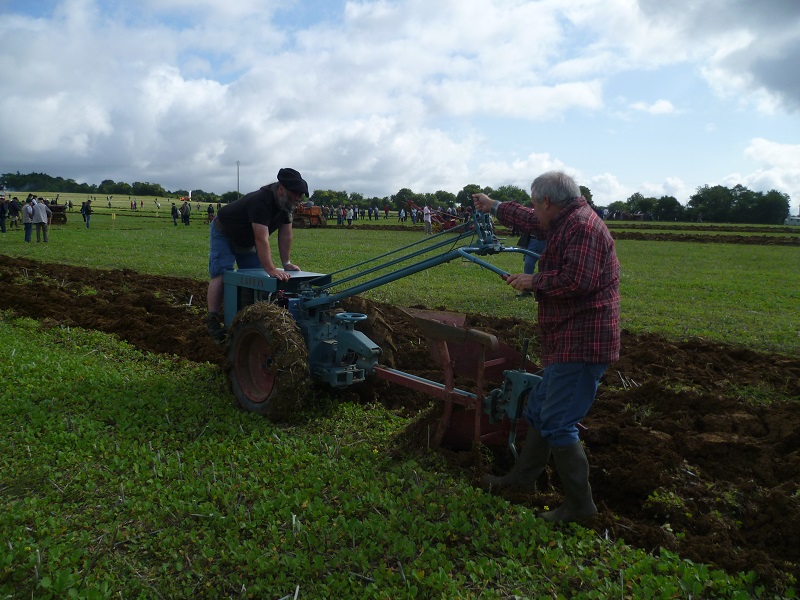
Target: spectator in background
[3, 214]
[41, 219]
[530, 242]
[87, 212]
[14, 210]
[186, 210]
[426, 219]
[27, 218]
[175, 214]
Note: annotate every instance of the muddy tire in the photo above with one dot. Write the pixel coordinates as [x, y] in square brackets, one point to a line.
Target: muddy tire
[268, 362]
[299, 222]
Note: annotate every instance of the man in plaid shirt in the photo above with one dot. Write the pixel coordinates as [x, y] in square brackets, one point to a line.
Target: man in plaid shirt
[577, 289]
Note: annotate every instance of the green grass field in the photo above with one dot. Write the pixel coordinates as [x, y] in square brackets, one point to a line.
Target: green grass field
[737, 294]
[128, 475]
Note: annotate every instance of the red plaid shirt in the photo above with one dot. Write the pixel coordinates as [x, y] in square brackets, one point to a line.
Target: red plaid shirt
[577, 286]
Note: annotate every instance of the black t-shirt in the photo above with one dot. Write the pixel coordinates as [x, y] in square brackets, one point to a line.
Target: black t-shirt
[259, 207]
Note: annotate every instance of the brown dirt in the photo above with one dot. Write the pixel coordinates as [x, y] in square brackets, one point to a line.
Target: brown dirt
[683, 455]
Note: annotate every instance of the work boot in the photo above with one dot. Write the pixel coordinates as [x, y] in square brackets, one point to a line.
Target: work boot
[529, 465]
[216, 326]
[573, 469]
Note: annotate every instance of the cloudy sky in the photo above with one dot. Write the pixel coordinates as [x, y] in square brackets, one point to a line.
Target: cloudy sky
[371, 96]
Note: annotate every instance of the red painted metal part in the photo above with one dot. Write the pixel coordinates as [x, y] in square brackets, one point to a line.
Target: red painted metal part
[254, 369]
[468, 354]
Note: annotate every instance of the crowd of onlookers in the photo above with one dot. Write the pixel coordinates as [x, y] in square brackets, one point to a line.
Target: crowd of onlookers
[33, 213]
[345, 214]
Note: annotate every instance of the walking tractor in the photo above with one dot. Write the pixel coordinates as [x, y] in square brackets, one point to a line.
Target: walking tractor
[284, 334]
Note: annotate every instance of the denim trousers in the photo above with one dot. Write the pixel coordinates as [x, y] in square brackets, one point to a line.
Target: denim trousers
[563, 397]
[529, 264]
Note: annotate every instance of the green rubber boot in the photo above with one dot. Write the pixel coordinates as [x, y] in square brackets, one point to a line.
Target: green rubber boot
[216, 326]
[529, 465]
[573, 469]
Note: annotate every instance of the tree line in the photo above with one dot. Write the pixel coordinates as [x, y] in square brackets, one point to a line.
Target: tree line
[712, 204]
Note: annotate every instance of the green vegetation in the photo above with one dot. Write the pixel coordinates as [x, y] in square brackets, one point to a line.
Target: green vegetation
[736, 294]
[712, 204]
[129, 475]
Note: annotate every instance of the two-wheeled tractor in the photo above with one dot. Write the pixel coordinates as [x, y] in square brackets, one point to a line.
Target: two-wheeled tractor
[282, 335]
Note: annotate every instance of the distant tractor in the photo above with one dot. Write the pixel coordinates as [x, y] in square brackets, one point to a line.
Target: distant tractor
[59, 216]
[307, 215]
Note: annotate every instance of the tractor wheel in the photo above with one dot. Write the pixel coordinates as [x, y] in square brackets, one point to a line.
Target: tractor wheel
[299, 222]
[268, 362]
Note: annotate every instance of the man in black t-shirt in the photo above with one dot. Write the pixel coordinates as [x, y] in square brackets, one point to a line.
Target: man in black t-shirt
[240, 234]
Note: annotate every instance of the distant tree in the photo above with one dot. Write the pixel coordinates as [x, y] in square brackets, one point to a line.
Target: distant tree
[330, 198]
[445, 198]
[464, 197]
[587, 193]
[147, 189]
[400, 199]
[667, 208]
[643, 205]
[744, 204]
[229, 197]
[106, 187]
[618, 206]
[511, 193]
[772, 209]
[123, 189]
[633, 202]
[357, 199]
[712, 204]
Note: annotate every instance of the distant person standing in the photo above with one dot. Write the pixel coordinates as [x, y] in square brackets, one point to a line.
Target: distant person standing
[530, 242]
[426, 219]
[14, 209]
[175, 215]
[87, 212]
[210, 212]
[41, 218]
[27, 218]
[3, 214]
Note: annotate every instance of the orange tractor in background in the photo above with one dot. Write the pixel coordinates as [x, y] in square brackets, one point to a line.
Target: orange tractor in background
[307, 215]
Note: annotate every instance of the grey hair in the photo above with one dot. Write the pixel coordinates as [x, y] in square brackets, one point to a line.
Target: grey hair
[556, 185]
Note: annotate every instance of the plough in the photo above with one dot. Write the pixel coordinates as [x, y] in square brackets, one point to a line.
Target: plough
[283, 334]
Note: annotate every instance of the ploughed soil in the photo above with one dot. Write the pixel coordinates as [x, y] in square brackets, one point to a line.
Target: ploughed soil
[686, 450]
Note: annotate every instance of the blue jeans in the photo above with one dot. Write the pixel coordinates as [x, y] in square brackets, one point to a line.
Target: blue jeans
[562, 399]
[222, 255]
[88, 218]
[529, 264]
[28, 231]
